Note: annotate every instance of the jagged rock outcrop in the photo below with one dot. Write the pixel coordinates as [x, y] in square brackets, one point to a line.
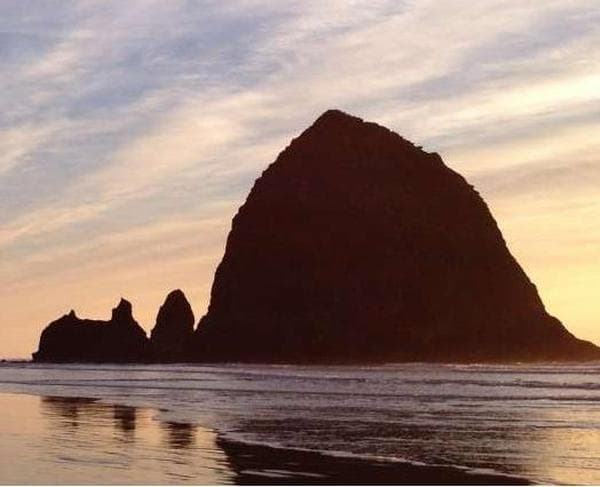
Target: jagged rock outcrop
[357, 246]
[71, 339]
[171, 336]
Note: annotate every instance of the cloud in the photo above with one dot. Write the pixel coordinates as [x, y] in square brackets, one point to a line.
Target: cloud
[126, 250]
[18, 144]
[120, 118]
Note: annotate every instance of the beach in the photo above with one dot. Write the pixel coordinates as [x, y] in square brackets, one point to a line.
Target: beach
[61, 440]
[252, 424]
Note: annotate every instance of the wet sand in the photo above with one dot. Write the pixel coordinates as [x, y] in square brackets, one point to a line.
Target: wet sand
[53, 440]
[67, 440]
[263, 465]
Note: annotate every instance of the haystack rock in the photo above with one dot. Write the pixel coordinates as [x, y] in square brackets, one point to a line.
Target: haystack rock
[357, 246]
[71, 339]
[171, 336]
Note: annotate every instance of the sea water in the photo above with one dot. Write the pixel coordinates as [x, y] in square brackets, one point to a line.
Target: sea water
[161, 423]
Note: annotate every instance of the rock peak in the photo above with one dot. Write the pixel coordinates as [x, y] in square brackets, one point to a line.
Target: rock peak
[123, 311]
[335, 119]
[176, 295]
[337, 114]
[174, 327]
[335, 134]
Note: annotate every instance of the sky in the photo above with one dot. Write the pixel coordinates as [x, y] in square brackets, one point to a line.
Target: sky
[130, 133]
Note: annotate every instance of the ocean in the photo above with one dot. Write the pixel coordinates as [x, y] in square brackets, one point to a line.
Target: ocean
[240, 423]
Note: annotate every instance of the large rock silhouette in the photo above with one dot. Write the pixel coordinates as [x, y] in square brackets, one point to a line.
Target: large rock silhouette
[170, 338]
[357, 246]
[71, 339]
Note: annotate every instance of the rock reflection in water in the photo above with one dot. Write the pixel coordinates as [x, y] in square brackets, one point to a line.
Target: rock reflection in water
[90, 441]
[124, 419]
[67, 408]
[179, 435]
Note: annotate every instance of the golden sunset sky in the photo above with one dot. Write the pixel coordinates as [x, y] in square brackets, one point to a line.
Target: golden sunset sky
[130, 133]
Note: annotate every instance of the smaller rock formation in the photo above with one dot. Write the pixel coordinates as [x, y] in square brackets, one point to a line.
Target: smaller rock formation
[174, 329]
[71, 339]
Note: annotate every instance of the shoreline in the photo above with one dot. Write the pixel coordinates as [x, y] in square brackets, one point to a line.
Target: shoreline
[255, 464]
[474, 363]
[262, 464]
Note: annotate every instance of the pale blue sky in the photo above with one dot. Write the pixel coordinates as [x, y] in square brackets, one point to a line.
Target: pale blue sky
[131, 131]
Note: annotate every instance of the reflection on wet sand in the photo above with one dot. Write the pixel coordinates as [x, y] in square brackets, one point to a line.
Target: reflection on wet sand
[75, 411]
[250, 464]
[68, 408]
[124, 417]
[90, 441]
[179, 435]
[86, 441]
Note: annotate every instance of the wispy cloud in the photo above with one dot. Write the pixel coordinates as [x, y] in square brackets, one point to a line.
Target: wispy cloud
[18, 144]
